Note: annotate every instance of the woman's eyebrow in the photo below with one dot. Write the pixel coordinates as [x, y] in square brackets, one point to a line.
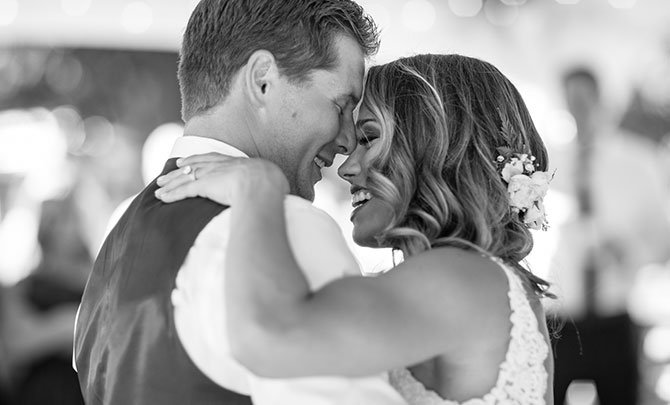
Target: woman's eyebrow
[362, 122]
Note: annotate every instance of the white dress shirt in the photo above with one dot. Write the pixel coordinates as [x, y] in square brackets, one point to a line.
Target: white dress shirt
[200, 305]
[629, 228]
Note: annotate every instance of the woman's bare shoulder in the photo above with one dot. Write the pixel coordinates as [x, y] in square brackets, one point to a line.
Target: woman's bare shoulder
[461, 267]
[470, 283]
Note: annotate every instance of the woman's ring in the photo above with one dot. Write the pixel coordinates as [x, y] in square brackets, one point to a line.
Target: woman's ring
[188, 170]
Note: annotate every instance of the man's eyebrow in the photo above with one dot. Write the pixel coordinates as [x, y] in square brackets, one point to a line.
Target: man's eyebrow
[351, 97]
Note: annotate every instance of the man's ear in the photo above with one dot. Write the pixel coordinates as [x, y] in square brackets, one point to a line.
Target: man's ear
[260, 76]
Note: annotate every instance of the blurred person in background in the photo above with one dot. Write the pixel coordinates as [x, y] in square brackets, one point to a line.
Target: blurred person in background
[39, 311]
[621, 224]
[39, 304]
[277, 79]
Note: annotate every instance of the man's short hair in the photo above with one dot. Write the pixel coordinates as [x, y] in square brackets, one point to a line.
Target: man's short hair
[222, 34]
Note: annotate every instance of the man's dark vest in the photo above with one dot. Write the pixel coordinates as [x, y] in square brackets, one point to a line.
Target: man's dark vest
[126, 345]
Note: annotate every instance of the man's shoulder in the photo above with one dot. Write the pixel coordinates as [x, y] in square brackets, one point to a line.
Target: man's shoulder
[294, 202]
[300, 209]
[318, 242]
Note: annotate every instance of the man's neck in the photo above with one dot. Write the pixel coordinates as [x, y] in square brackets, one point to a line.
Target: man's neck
[226, 124]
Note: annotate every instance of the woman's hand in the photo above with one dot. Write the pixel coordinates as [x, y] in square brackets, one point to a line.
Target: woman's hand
[221, 178]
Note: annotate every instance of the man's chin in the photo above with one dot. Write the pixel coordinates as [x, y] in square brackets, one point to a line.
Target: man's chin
[307, 196]
[304, 192]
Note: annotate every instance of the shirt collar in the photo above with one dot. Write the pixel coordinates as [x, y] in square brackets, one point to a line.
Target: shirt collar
[188, 145]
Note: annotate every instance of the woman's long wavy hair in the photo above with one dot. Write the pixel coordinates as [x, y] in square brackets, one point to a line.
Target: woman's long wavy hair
[442, 121]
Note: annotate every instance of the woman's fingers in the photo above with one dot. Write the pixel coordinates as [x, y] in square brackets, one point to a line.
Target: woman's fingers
[215, 185]
[178, 190]
[196, 166]
[202, 158]
[174, 179]
[220, 178]
[199, 169]
[175, 174]
[210, 180]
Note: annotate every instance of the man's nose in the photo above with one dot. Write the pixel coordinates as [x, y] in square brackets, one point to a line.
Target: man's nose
[346, 139]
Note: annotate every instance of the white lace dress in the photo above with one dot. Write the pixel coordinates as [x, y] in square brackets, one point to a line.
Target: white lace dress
[522, 379]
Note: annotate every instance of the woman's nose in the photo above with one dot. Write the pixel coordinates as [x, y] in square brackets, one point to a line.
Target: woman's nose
[350, 168]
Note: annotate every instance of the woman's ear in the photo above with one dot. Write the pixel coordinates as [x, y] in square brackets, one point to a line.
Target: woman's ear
[260, 76]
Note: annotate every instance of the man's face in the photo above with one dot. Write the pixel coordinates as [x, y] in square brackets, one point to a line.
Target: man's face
[582, 98]
[312, 122]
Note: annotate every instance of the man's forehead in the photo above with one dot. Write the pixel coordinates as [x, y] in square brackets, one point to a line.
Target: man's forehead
[352, 87]
[351, 66]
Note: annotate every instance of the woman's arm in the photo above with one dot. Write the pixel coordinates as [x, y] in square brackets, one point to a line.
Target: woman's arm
[353, 326]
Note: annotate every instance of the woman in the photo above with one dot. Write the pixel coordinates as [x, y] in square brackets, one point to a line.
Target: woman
[450, 170]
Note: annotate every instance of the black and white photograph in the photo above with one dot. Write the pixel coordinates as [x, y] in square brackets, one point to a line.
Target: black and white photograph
[335, 202]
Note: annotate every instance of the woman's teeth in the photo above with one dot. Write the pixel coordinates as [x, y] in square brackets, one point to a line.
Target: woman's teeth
[319, 162]
[360, 197]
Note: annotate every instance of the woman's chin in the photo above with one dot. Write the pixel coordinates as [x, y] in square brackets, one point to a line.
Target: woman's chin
[365, 239]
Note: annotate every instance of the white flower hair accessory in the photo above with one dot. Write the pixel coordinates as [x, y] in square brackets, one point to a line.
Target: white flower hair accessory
[526, 186]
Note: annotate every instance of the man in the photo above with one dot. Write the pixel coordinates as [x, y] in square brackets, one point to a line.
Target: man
[267, 78]
[620, 226]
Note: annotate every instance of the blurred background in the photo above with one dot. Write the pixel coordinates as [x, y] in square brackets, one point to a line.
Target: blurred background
[89, 108]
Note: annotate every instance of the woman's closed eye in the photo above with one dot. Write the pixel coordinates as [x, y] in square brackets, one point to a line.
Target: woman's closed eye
[366, 139]
[367, 131]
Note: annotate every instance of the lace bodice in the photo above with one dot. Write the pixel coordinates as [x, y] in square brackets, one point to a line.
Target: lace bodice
[522, 379]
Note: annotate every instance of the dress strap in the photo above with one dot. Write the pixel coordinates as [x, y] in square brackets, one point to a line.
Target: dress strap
[522, 377]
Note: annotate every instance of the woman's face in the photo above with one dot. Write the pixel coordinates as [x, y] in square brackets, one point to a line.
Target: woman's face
[371, 214]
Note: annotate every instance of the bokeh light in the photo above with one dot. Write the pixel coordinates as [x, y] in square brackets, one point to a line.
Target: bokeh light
[17, 254]
[657, 344]
[465, 8]
[9, 10]
[418, 15]
[380, 13]
[663, 385]
[623, 4]
[71, 124]
[582, 392]
[500, 14]
[137, 17]
[157, 147]
[559, 128]
[649, 302]
[100, 136]
[514, 2]
[75, 8]
[63, 72]
[29, 140]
